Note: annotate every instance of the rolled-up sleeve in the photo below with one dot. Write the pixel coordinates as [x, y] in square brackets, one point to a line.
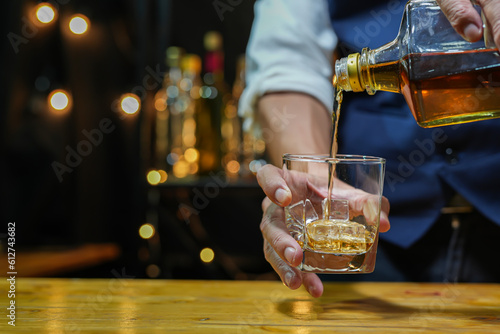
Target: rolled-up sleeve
[290, 49]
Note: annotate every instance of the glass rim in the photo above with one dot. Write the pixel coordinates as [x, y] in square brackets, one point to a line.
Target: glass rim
[339, 158]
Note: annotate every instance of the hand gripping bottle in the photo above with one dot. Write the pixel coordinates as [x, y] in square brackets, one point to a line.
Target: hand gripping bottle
[444, 79]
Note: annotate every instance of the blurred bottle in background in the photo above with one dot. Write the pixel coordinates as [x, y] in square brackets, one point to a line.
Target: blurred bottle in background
[231, 134]
[174, 135]
[196, 129]
[184, 153]
[214, 92]
[160, 131]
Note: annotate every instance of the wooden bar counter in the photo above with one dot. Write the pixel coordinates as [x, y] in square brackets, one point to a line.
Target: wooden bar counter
[174, 306]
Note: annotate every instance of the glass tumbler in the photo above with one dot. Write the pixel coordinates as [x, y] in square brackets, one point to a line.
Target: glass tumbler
[335, 210]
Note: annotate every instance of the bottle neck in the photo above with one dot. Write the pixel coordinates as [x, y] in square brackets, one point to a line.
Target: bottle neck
[370, 71]
[352, 73]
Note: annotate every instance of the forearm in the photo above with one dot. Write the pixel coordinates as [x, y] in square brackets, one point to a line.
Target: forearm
[293, 123]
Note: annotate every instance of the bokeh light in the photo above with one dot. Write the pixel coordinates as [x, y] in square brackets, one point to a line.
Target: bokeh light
[163, 175]
[193, 168]
[59, 101]
[233, 167]
[259, 146]
[189, 139]
[255, 165]
[207, 255]
[79, 24]
[45, 13]
[181, 169]
[195, 92]
[172, 158]
[160, 104]
[153, 177]
[231, 111]
[191, 155]
[146, 231]
[153, 271]
[130, 104]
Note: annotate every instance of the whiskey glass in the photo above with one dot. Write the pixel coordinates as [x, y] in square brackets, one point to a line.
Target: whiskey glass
[335, 210]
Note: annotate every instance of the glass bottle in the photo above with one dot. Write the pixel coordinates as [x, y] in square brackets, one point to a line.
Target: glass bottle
[163, 140]
[231, 131]
[444, 79]
[215, 94]
[188, 108]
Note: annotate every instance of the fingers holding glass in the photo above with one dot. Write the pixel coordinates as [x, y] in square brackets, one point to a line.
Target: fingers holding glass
[335, 211]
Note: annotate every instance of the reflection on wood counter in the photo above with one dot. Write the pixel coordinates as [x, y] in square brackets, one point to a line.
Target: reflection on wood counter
[169, 306]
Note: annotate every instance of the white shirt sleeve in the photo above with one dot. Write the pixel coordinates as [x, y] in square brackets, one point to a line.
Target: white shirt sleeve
[290, 49]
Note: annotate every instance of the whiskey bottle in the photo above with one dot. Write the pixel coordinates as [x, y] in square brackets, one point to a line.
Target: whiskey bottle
[444, 79]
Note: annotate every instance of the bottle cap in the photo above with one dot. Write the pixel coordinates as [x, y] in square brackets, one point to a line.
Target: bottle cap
[353, 72]
[347, 75]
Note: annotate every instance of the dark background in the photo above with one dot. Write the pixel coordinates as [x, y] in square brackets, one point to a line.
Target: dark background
[105, 198]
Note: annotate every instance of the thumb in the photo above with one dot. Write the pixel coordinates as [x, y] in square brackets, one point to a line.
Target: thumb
[463, 18]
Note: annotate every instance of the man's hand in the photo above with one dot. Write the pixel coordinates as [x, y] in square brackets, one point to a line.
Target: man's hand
[283, 252]
[280, 249]
[467, 22]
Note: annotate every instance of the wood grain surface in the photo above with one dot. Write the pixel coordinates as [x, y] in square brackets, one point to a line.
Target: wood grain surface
[45, 305]
[51, 262]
